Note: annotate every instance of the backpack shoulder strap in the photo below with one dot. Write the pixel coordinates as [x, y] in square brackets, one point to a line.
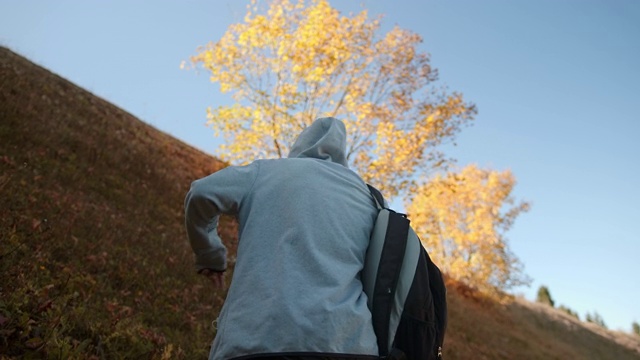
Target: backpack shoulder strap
[377, 197]
[388, 275]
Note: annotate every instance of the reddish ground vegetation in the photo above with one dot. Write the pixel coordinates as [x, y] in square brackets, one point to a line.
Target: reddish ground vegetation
[94, 261]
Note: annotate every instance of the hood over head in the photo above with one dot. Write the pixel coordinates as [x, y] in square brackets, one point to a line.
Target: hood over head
[325, 139]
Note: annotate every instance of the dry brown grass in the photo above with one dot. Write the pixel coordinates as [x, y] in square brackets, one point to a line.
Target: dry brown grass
[94, 258]
[483, 329]
[94, 261]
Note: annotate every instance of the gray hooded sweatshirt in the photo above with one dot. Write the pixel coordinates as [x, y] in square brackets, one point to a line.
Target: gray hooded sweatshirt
[304, 227]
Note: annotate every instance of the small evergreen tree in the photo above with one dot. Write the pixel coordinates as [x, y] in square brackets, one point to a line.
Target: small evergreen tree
[635, 328]
[588, 318]
[569, 311]
[599, 320]
[596, 319]
[544, 296]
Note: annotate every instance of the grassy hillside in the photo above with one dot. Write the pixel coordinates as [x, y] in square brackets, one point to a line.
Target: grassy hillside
[482, 329]
[94, 257]
[94, 261]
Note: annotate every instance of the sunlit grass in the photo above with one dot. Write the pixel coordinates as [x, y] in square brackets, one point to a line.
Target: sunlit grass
[94, 258]
[94, 261]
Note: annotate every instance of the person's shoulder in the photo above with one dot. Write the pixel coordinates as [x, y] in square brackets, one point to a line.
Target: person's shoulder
[304, 163]
[281, 161]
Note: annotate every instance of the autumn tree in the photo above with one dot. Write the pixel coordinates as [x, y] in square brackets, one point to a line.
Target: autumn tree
[462, 219]
[544, 296]
[292, 62]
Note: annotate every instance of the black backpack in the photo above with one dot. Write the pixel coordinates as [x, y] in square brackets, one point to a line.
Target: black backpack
[405, 289]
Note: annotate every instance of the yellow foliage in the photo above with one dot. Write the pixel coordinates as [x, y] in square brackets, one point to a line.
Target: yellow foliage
[295, 61]
[461, 218]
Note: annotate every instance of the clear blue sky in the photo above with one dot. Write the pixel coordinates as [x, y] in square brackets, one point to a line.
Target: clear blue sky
[557, 84]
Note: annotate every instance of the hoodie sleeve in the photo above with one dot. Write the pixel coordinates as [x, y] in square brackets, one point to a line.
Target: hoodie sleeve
[219, 193]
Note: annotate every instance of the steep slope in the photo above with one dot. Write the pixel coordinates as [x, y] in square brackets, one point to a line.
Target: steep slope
[94, 257]
[94, 261]
[483, 329]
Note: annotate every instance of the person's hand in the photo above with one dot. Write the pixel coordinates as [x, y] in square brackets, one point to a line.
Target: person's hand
[216, 278]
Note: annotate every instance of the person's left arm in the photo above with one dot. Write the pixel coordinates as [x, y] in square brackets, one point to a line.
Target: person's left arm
[219, 193]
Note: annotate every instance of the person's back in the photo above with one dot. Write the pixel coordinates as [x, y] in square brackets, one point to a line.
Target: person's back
[304, 230]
